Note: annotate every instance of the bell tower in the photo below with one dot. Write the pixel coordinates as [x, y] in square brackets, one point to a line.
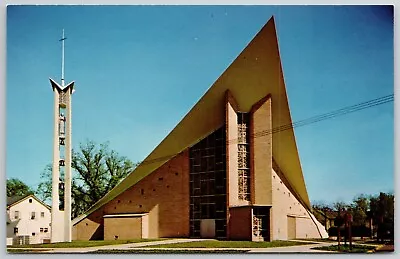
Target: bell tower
[62, 155]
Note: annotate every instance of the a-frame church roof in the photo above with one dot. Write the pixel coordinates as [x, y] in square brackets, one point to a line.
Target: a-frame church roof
[254, 74]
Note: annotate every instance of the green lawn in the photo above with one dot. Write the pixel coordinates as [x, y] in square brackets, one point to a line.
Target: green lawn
[164, 251]
[86, 243]
[371, 242]
[230, 244]
[346, 248]
[318, 240]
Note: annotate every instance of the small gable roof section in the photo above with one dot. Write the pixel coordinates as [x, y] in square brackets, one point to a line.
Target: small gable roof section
[254, 74]
[11, 201]
[14, 199]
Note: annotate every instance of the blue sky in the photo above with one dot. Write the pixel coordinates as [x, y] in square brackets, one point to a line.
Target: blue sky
[139, 69]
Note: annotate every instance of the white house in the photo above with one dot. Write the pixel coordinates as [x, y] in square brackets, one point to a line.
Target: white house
[28, 220]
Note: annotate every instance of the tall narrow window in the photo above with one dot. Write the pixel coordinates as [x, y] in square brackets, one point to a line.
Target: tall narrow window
[207, 181]
[243, 158]
[42, 214]
[16, 214]
[33, 215]
[15, 230]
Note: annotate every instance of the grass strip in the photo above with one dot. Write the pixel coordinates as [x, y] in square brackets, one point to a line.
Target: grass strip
[231, 244]
[346, 248]
[91, 243]
[327, 240]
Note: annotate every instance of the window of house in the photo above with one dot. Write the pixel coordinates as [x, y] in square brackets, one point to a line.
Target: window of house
[16, 214]
[41, 230]
[42, 214]
[30, 200]
[46, 230]
[33, 233]
[33, 215]
[15, 230]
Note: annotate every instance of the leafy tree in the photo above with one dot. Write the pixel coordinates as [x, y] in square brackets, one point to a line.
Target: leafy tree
[380, 208]
[321, 205]
[97, 169]
[382, 212]
[340, 206]
[16, 187]
[359, 210]
[43, 190]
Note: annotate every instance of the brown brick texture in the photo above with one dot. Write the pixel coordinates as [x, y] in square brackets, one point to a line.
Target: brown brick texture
[164, 194]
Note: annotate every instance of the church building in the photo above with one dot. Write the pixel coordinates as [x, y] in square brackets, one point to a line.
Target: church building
[229, 170]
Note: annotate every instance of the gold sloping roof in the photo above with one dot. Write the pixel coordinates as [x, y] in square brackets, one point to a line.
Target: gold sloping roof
[255, 73]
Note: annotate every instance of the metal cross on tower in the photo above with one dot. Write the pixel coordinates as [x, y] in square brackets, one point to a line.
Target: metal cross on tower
[61, 217]
[62, 59]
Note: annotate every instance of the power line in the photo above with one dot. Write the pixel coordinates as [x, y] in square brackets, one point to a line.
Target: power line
[301, 123]
[329, 115]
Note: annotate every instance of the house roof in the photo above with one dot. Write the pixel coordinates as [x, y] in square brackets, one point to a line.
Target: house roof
[11, 201]
[14, 199]
[254, 74]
